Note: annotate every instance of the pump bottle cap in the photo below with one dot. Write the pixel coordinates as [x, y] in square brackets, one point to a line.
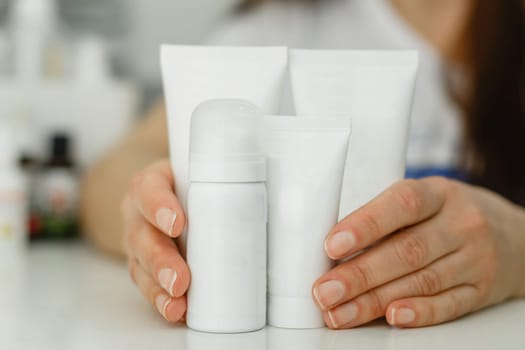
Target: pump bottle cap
[225, 143]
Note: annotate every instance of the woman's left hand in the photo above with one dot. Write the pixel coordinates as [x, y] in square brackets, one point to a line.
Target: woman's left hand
[438, 249]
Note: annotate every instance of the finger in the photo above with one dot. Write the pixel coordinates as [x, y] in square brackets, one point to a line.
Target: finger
[132, 219]
[153, 195]
[404, 204]
[446, 273]
[172, 309]
[427, 311]
[160, 258]
[397, 256]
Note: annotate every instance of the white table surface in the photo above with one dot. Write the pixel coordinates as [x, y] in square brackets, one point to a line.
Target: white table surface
[68, 296]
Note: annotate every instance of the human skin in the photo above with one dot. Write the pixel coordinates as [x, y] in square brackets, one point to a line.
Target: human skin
[438, 22]
[439, 249]
[482, 232]
[152, 217]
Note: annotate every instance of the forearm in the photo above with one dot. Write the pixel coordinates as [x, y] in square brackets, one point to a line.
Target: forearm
[105, 185]
[103, 189]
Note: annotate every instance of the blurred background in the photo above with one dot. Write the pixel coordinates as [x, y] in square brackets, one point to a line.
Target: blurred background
[74, 76]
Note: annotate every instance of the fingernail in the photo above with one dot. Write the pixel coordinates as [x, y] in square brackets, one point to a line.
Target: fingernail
[329, 293]
[162, 303]
[340, 244]
[166, 220]
[167, 278]
[343, 314]
[402, 316]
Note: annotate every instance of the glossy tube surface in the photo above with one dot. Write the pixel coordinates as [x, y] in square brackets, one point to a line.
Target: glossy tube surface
[194, 74]
[306, 160]
[374, 89]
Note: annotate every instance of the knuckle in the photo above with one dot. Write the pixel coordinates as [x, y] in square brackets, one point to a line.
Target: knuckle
[454, 310]
[361, 273]
[428, 282]
[489, 278]
[484, 294]
[370, 224]
[475, 219]
[409, 198]
[137, 181]
[411, 251]
[431, 314]
[156, 255]
[378, 304]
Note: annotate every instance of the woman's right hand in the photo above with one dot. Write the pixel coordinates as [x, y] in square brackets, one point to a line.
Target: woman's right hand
[152, 217]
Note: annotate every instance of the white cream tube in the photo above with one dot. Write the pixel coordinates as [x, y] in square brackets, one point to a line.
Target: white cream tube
[306, 160]
[194, 74]
[375, 89]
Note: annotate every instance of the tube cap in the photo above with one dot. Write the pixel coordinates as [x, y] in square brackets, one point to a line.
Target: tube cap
[225, 143]
[294, 312]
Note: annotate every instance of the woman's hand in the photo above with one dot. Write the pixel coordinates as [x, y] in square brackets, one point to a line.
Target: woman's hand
[438, 249]
[152, 218]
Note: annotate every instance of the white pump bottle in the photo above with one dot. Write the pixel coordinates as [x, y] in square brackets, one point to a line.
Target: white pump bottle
[227, 218]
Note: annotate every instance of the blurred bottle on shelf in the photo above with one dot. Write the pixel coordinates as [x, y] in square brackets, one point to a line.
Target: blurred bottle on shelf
[56, 194]
[91, 61]
[37, 46]
[13, 201]
[57, 76]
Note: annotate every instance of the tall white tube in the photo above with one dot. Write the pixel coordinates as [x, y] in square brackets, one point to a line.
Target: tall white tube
[306, 160]
[374, 89]
[194, 74]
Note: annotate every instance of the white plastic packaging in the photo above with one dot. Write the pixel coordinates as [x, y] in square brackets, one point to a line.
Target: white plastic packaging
[194, 74]
[227, 206]
[13, 205]
[374, 89]
[306, 160]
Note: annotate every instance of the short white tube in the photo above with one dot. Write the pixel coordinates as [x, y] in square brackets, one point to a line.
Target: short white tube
[194, 74]
[306, 160]
[373, 88]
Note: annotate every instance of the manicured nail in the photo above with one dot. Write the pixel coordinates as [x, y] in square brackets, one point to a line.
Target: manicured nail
[329, 293]
[343, 314]
[340, 244]
[166, 220]
[402, 316]
[162, 303]
[167, 278]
